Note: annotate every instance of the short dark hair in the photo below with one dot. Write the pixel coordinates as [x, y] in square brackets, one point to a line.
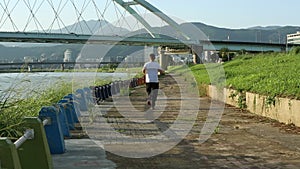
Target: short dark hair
[152, 55]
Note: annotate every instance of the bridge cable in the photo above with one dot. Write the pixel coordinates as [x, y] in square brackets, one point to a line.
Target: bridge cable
[137, 24]
[98, 17]
[116, 12]
[123, 17]
[5, 8]
[57, 18]
[107, 5]
[79, 16]
[84, 6]
[32, 16]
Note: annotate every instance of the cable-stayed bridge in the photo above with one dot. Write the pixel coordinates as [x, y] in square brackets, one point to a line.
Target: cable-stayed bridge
[109, 22]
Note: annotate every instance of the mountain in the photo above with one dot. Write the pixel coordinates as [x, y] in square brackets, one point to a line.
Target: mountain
[269, 34]
[265, 27]
[101, 27]
[17, 53]
[272, 34]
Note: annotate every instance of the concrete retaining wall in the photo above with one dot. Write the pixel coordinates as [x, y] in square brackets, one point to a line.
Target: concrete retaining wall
[281, 109]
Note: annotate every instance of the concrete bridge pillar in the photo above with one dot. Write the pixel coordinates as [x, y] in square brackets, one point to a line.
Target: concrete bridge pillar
[197, 52]
[29, 67]
[62, 67]
[163, 58]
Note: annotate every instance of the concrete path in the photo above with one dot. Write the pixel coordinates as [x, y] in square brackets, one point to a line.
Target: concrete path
[82, 154]
[127, 128]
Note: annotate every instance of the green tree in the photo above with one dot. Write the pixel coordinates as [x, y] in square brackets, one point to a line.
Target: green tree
[242, 52]
[225, 54]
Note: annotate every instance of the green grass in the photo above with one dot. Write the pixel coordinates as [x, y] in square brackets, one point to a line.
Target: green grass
[270, 74]
[212, 73]
[14, 107]
[275, 74]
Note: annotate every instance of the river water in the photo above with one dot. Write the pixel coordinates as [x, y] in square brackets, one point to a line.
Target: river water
[28, 81]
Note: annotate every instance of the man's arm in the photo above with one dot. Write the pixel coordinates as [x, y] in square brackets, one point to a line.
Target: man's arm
[144, 70]
[161, 71]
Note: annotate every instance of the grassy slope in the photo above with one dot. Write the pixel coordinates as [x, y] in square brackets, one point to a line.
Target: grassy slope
[268, 74]
[273, 75]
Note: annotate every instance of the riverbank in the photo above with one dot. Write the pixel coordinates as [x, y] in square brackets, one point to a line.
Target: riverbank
[24, 94]
[104, 69]
[273, 75]
[21, 71]
[265, 84]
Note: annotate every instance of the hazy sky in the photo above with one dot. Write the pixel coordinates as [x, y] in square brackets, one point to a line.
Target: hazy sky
[234, 13]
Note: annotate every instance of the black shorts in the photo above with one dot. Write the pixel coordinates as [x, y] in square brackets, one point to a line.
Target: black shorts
[151, 86]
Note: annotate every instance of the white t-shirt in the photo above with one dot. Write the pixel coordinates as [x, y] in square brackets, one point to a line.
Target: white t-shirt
[152, 71]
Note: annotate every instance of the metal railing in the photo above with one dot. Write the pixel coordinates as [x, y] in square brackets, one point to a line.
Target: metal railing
[28, 135]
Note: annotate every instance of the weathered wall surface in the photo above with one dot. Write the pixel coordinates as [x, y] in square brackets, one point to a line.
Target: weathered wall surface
[281, 109]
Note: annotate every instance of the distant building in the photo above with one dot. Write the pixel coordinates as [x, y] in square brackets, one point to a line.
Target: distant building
[55, 57]
[28, 59]
[293, 38]
[68, 56]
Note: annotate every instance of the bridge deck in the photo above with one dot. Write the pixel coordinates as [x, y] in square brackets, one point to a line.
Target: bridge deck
[31, 37]
[211, 45]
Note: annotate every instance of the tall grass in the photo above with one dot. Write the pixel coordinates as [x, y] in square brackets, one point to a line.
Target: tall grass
[17, 103]
[273, 74]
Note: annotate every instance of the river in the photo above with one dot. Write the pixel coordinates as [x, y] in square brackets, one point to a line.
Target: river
[27, 81]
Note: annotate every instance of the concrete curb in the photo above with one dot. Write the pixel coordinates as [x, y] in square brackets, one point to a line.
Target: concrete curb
[284, 110]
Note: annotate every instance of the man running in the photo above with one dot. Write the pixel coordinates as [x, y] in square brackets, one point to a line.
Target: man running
[151, 70]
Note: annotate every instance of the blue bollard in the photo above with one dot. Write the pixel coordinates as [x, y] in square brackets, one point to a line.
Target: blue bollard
[112, 88]
[53, 130]
[95, 96]
[63, 121]
[88, 94]
[76, 109]
[71, 98]
[119, 83]
[69, 113]
[126, 84]
[105, 91]
[108, 90]
[102, 92]
[132, 83]
[71, 107]
[81, 100]
[97, 93]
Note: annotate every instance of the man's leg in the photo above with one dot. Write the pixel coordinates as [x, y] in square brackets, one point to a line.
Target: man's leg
[148, 89]
[155, 87]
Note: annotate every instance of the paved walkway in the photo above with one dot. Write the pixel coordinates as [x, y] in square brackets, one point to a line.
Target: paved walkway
[126, 128]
